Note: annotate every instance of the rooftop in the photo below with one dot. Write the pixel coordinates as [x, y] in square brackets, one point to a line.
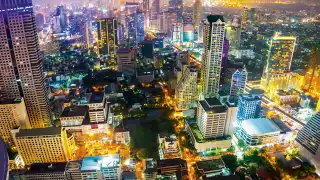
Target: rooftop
[214, 18]
[39, 131]
[284, 38]
[256, 91]
[124, 50]
[210, 165]
[97, 97]
[171, 162]
[212, 105]
[94, 163]
[260, 126]
[47, 167]
[10, 101]
[73, 111]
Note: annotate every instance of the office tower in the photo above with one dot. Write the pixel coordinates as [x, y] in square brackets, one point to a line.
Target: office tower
[154, 13]
[21, 63]
[279, 60]
[249, 105]
[179, 8]
[186, 90]
[308, 140]
[13, 114]
[132, 29]
[252, 16]
[213, 41]
[211, 118]
[244, 18]
[147, 13]
[87, 34]
[127, 61]
[101, 167]
[172, 169]
[41, 145]
[197, 13]
[164, 4]
[238, 83]
[280, 54]
[140, 26]
[4, 159]
[107, 37]
[311, 79]
[61, 13]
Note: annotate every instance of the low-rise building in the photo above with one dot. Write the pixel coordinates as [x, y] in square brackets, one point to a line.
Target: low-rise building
[121, 136]
[172, 169]
[210, 168]
[258, 131]
[101, 167]
[168, 146]
[74, 115]
[43, 171]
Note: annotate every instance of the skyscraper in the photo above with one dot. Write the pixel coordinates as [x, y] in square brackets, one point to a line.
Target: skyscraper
[213, 41]
[140, 26]
[21, 64]
[197, 13]
[311, 79]
[244, 17]
[249, 105]
[308, 140]
[280, 54]
[107, 37]
[279, 60]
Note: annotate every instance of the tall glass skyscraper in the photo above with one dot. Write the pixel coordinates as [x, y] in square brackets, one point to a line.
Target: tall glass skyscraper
[249, 105]
[21, 65]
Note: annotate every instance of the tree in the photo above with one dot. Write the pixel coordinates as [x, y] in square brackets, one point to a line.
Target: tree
[230, 161]
[241, 143]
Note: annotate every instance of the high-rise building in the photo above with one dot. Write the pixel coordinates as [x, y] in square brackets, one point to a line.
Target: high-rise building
[21, 64]
[197, 13]
[280, 54]
[97, 107]
[170, 18]
[211, 118]
[308, 140]
[177, 33]
[186, 90]
[213, 41]
[61, 13]
[224, 63]
[127, 61]
[107, 37]
[279, 59]
[140, 26]
[4, 159]
[311, 79]
[41, 145]
[13, 114]
[132, 29]
[87, 34]
[249, 105]
[238, 83]
[244, 17]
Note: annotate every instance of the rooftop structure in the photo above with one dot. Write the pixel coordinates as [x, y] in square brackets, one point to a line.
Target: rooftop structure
[95, 163]
[39, 132]
[210, 168]
[261, 131]
[259, 126]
